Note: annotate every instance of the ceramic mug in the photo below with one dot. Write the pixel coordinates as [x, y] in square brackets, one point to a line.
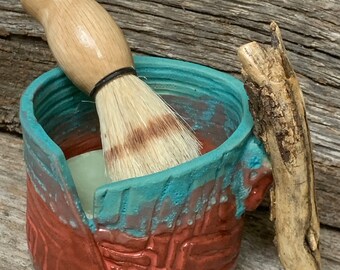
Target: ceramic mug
[186, 217]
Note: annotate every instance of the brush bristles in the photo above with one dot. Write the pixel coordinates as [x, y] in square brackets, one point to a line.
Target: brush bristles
[140, 133]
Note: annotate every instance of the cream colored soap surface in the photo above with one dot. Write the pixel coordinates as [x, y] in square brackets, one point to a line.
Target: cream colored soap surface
[88, 173]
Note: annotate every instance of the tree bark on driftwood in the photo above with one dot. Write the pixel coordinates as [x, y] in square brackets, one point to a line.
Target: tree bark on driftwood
[277, 105]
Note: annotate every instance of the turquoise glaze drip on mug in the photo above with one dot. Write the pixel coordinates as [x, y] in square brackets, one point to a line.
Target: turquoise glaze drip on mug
[59, 122]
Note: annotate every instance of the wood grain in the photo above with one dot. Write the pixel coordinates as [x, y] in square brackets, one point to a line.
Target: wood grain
[13, 246]
[207, 32]
[83, 37]
[277, 105]
[257, 252]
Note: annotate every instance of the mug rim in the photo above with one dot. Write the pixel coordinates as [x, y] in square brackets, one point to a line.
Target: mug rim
[32, 127]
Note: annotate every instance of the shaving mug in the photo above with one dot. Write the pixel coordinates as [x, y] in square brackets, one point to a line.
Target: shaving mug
[183, 218]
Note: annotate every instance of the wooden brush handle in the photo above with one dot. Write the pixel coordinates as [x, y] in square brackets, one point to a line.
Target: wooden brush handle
[83, 37]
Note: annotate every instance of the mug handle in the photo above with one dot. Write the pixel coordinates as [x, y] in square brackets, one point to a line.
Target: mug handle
[257, 173]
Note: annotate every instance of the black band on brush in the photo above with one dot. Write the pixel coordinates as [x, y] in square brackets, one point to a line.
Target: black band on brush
[114, 75]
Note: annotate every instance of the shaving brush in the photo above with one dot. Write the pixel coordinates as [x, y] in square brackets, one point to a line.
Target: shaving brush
[140, 133]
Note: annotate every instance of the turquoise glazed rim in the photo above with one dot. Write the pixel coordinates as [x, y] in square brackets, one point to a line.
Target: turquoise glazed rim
[181, 69]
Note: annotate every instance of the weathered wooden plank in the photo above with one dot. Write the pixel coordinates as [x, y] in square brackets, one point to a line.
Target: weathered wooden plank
[257, 252]
[21, 61]
[207, 32]
[13, 247]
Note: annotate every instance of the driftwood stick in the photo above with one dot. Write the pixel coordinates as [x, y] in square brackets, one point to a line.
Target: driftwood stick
[277, 105]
